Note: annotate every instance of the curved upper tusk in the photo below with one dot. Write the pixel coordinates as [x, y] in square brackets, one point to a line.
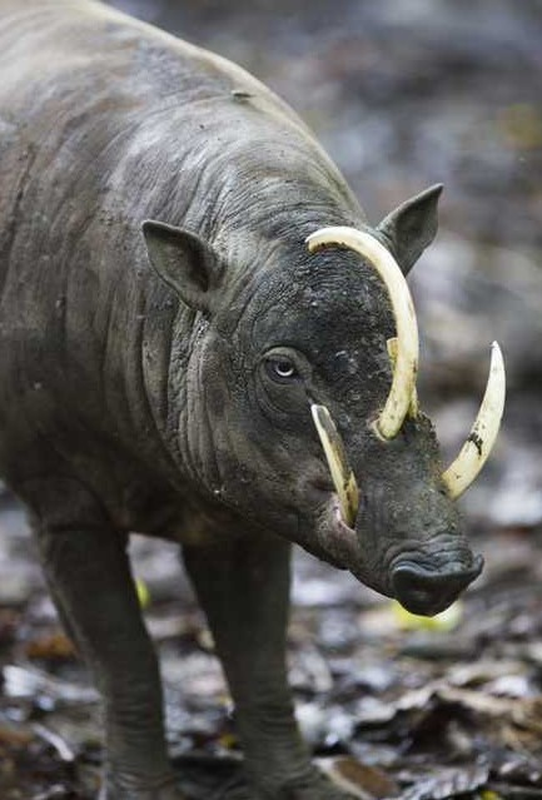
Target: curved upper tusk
[406, 367]
[343, 478]
[474, 453]
[414, 407]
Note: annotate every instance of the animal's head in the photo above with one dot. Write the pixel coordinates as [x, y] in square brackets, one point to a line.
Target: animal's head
[299, 405]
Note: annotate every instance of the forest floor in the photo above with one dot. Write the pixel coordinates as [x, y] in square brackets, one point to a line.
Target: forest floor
[403, 707]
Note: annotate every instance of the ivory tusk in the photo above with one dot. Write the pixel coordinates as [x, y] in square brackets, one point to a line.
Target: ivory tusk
[475, 452]
[341, 474]
[414, 406]
[404, 374]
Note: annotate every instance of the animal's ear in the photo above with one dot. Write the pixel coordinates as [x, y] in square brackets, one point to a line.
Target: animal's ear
[185, 262]
[408, 230]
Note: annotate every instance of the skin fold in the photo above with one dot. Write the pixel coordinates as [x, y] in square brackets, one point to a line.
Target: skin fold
[158, 377]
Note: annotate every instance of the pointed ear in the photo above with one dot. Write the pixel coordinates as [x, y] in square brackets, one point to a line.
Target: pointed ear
[408, 230]
[185, 262]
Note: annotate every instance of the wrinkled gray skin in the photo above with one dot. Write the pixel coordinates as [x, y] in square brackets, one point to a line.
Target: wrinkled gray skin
[141, 384]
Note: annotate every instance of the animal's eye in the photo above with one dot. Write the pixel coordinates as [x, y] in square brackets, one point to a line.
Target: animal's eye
[281, 369]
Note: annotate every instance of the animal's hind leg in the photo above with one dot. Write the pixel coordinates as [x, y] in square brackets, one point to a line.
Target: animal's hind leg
[86, 564]
[244, 589]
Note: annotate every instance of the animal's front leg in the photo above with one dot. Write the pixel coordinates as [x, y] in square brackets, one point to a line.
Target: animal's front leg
[87, 567]
[244, 589]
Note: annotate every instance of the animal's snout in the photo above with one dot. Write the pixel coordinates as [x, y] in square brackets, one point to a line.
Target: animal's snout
[427, 592]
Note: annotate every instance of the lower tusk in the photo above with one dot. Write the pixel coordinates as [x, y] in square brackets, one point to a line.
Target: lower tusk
[341, 474]
[475, 452]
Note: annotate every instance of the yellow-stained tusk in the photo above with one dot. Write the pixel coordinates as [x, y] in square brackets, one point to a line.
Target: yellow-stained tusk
[414, 406]
[341, 474]
[475, 452]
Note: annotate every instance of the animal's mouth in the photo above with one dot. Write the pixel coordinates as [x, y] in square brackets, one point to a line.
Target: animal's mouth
[426, 585]
[340, 544]
[337, 538]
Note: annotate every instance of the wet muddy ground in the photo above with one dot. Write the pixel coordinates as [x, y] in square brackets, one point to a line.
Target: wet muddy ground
[402, 94]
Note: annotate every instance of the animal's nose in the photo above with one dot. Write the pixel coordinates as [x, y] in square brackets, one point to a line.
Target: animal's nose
[422, 591]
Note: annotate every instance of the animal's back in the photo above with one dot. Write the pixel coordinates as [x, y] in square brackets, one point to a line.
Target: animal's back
[86, 153]
[105, 121]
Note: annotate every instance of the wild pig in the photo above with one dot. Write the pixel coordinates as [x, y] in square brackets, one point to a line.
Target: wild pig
[202, 338]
